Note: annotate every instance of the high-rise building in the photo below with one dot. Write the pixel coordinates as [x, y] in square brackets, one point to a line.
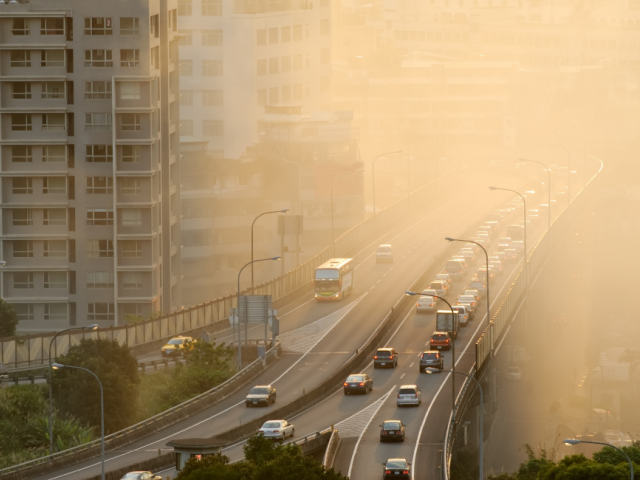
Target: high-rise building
[89, 155]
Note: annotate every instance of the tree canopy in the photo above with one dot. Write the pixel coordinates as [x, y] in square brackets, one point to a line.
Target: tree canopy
[8, 320]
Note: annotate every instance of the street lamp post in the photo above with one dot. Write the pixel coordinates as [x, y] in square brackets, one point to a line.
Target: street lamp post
[548, 186]
[453, 345]
[332, 183]
[575, 441]
[88, 327]
[568, 152]
[481, 435]
[245, 336]
[373, 182]
[486, 255]
[286, 210]
[56, 366]
[525, 216]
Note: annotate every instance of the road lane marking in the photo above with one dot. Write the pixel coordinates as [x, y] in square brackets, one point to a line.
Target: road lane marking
[402, 376]
[412, 364]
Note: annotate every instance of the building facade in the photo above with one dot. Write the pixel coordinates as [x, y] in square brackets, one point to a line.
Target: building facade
[89, 151]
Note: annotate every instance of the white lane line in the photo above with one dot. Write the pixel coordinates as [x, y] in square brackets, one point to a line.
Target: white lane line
[299, 306]
[412, 364]
[355, 449]
[402, 376]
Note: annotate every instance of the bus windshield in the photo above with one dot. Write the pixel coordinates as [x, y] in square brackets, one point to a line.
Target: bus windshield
[327, 274]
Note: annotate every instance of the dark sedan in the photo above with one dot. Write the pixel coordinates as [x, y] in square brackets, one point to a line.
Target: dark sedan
[396, 468]
[392, 430]
[358, 383]
[431, 359]
[261, 395]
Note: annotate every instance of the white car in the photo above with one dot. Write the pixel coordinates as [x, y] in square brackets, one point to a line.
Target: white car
[425, 302]
[384, 253]
[277, 429]
[463, 314]
[140, 475]
[444, 277]
[513, 374]
[409, 395]
[469, 300]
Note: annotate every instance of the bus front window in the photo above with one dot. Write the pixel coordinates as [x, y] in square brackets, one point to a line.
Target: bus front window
[327, 280]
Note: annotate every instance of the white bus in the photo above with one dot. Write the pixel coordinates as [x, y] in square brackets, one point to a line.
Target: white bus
[334, 279]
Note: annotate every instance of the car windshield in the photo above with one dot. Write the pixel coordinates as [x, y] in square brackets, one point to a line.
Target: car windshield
[355, 378]
[259, 391]
[407, 391]
[466, 298]
[458, 309]
[383, 353]
[391, 425]
[436, 285]
[429, 293]
[131, 476]
[327, 274]
[271, 425]
[383, 249]
[176, 341]
[430, 356]
[454, 266]
[397, 464]
[439, 336]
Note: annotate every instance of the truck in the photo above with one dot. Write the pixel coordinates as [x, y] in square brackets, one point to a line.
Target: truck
[515, 232]
[445, 323]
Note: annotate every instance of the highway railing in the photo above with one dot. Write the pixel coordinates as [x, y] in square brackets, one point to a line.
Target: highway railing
[492, 335]
[332, 449]
[31, 350]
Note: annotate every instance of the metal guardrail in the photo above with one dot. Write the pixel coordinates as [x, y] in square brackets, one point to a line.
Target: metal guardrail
[32, 350]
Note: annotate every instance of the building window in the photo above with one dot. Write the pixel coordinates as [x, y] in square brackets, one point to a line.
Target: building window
[129, 58]
[186, 127]
[22, 185]
[55, 312]
[261, 68]
[131, 121]
[24, 311]
[184, 8]
[97, 90]
[98, 26]
[23, 217]
[212, 38]
[98, 58]
[21, 90]
[273, 35]
[297, 33]
[131, 279]
[20, 58]
[211, 68]
[20, 26]
[23, 248]
[211, 8]
[54, 185]
[131, 153]
[261, 36]
[274, 65]
[325, 27]
[21, 154]
[99, 217]
[54, 121]
[55, 279]
[285, 34]
[54, 153]
[23, 280]
[54, 216]
[131, 185]
[100, 311]
[187, 38]
[21, 122]
[129, 26]
[130, 91]
[212, 128]
[99, 153]
[97, 121]
[52, 58]
[212, 98]
[52, 90]
[131, 217]
[297, 62]
[186, 67]
[55, 248]
[99, 248]
[99, 185]
[186, 98]
[99, 279]
[131, 249]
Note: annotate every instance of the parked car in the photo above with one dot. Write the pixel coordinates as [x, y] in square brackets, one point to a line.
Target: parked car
[384, 253]
[261, 395]
[358, 383]
[432, 359]
[392, 430]
[277, 429]
[385, 357]
[396, 468]
[409, 395]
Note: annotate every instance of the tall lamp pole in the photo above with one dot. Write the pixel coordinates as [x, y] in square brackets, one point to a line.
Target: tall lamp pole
[453, 346]
[575, 441]
[88, 327]
[526, 260]
[373, 183]
[568, 152]
[56, 366]
[548, 186]
[286, 210]
[245, 336]
[359, 172]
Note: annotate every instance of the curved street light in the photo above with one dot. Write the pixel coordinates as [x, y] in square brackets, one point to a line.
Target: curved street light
[373, 182]
[286, 210]
[359, 172]
[575, 441]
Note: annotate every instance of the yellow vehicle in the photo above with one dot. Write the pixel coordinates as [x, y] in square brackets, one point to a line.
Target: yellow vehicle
[176, 346]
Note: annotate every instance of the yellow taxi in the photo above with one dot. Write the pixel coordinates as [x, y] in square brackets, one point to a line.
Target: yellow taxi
[176, 345]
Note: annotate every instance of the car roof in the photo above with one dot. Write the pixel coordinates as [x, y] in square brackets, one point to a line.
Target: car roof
[396, 459]
[431, 351]
[413, 385]
[391, 420]
[386, 348]
[440, 333]
[261, 386]
[354, 374]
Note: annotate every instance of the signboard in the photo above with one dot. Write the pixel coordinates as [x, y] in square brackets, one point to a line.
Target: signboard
[254, 308]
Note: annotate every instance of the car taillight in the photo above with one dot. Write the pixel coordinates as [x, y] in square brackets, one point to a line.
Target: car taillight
[362, 384]
[391, 357]
[473, 303]
[375, 357]
[387, 471]
[398, 395]
[447, 340]
[346, 384]
[276, 431]
[384, 432]
[406, 472]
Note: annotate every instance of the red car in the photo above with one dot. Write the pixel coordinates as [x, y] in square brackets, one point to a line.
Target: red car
[440, 340]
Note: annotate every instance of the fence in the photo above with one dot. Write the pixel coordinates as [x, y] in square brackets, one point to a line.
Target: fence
[33, 349]
[511, 302]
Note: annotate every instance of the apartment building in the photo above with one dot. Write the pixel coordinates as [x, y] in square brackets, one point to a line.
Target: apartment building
[89, 150]
[237, 56]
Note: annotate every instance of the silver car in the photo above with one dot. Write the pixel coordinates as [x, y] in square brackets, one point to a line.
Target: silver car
[384, 253]
[277, 429]
[409, 395]
[468, 300]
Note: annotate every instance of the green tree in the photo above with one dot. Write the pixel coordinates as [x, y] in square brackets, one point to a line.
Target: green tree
[77, 393]
[579, 467]
[8, 320]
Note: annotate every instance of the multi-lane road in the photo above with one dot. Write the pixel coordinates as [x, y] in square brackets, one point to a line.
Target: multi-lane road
[319, 338]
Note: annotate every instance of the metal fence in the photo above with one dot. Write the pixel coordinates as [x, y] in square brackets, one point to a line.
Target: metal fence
[33, 349]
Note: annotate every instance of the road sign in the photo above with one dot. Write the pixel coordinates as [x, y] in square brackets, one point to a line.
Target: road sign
[254, 308]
